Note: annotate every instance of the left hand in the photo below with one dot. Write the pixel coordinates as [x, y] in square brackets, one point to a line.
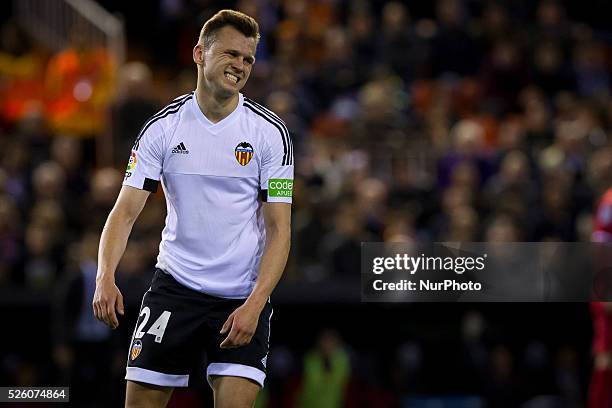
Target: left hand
[243, 323]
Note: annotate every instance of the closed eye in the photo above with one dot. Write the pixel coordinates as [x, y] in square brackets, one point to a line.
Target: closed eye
[233, 53]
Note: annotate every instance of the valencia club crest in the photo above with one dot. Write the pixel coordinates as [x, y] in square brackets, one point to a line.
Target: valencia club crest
[244, 152]
[136, 348]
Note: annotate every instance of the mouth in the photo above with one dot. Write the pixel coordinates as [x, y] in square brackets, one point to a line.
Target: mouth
[232, 78]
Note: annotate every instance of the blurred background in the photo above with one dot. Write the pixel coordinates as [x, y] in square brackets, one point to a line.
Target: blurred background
[447, 120]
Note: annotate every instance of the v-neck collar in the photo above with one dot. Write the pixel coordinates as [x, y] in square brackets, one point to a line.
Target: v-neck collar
[216, 127]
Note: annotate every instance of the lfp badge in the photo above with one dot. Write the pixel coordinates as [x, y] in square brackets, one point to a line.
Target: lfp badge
[131, 162]
[136, 348]
[244, 152]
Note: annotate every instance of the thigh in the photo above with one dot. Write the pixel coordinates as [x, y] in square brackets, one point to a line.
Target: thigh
[234, 392]
[146, 395]
[247, 361]
[168, 335]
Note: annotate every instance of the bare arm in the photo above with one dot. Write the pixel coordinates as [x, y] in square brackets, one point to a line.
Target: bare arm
[243, 321]
[113, 241]
[277, 217]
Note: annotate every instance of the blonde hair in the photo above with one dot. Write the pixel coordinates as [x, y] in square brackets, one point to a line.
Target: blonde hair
[240, 21]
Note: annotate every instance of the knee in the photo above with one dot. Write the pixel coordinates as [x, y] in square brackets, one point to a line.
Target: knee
[235, 400]
[140, 401]
[146, 396]
[134, 403]
[234, 404]
[234, 392]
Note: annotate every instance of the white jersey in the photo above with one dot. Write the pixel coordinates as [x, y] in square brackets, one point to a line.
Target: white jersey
[214, 176]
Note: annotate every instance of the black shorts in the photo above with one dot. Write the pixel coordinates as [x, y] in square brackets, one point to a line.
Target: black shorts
[177, 324]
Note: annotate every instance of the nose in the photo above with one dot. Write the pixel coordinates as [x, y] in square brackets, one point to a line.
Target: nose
[238, 63]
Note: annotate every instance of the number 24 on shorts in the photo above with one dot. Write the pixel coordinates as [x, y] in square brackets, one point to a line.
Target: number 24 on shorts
[157, 328]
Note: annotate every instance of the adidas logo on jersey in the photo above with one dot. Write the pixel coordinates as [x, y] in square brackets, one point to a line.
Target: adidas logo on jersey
[180, 148]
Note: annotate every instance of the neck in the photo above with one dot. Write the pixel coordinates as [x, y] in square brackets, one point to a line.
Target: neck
[213, 107]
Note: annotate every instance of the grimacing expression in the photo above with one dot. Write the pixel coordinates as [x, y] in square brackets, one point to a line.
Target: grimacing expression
[227, 63]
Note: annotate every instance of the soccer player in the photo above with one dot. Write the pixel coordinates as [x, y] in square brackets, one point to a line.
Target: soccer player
[600, 392]
[226, 167]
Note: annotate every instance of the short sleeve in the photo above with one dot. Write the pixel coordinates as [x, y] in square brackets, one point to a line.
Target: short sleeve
[276, 178]
[145, 163]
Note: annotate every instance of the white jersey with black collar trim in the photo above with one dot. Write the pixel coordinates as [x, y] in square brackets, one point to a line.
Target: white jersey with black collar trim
[215, 177]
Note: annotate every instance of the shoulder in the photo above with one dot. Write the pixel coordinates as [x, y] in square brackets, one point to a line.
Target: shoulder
[267, 120]
[171, 111]
[156, 125]
[275, 134]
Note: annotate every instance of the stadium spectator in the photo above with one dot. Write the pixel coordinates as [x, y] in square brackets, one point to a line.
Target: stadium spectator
[83, 346]
[454, 47]
[17, 168]
[11, 241]
[326, 373]
[135, 103]
[104, 187]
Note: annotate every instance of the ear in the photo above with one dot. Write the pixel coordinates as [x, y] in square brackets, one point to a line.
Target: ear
[198, 54]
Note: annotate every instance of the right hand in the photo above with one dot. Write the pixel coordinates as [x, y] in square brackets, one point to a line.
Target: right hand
[106, 301]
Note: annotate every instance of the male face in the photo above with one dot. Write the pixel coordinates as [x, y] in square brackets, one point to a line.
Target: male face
[227, 63]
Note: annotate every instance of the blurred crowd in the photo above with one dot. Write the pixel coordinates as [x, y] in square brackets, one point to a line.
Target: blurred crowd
[464, 120]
